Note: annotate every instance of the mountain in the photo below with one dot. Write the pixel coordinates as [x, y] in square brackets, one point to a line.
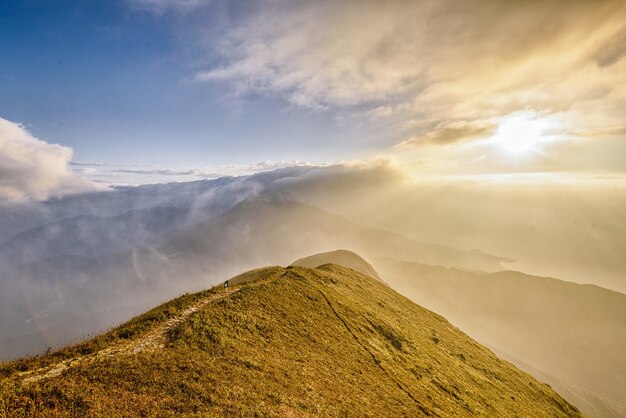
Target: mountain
[256, 229]
[83, 278]
[94, 236]
[202, 199]
[343, 258]
[284, 342]
[572, 336]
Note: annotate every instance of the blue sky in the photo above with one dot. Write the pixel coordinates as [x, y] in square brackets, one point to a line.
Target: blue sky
[219, 86]
[115, 83]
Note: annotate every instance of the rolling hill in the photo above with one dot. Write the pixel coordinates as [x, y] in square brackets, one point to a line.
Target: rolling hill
[283, 342]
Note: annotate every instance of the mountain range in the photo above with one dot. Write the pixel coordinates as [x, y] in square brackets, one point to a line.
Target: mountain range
[75, 271]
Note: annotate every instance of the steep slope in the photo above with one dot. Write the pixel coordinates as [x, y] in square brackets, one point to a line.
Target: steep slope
[343, 258]
[297, 342]
[573, 336]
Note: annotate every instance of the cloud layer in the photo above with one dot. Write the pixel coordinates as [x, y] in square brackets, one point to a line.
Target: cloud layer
[437, 69]
[33, 169]
[159, 7]
[126, 175]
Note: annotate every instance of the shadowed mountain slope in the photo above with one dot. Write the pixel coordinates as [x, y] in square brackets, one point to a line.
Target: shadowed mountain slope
[343, 258]
[298, 342]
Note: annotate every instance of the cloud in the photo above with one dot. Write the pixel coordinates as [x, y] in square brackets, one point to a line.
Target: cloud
[435, 62]
[269, 165]
[604, 131]
[310, 54]
[155, 171]
[137, 174]
[452, 133]
[612, 50]
[219, 171]
[33, 169]
[158, 7]
[134, 174]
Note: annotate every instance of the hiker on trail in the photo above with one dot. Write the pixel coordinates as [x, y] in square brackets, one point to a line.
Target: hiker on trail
[226, 284]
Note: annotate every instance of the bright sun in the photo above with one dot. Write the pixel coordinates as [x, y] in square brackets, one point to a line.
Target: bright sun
[521, 133]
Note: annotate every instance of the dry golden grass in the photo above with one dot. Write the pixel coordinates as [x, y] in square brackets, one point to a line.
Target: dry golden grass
[300, 342]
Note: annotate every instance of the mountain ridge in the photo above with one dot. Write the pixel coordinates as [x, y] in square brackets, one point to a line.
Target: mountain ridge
[306, 342]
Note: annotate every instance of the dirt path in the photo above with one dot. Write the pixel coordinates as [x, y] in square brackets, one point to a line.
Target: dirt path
[152, 340]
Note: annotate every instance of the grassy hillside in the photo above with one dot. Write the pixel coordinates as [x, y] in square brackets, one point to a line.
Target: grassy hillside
[569, 334]
[283, 342]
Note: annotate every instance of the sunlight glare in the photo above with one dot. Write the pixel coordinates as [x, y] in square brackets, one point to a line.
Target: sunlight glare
[521, 133]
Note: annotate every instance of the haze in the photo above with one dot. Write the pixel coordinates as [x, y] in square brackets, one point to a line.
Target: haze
[150, 148]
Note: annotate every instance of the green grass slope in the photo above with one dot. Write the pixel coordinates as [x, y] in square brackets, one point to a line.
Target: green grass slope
[296, 342]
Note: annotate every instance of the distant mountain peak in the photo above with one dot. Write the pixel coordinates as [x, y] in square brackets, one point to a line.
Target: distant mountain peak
[343, 258]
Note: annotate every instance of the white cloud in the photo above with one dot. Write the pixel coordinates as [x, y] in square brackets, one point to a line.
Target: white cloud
[437, 62]
[33, 169]
[159, 7]
[135, 174]
[217, 171]
[452, 133]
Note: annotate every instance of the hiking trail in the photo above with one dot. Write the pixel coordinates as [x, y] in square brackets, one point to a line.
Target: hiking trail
[151, 340]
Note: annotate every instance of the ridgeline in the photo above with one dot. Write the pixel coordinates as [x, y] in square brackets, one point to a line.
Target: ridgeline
[327, 341]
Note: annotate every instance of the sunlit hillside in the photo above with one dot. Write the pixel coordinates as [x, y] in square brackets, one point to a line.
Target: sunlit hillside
[304, 342]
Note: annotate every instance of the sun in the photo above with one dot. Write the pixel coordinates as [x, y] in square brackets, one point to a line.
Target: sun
[522, 133]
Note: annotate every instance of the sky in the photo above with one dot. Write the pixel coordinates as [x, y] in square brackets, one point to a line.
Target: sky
[96, 93]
